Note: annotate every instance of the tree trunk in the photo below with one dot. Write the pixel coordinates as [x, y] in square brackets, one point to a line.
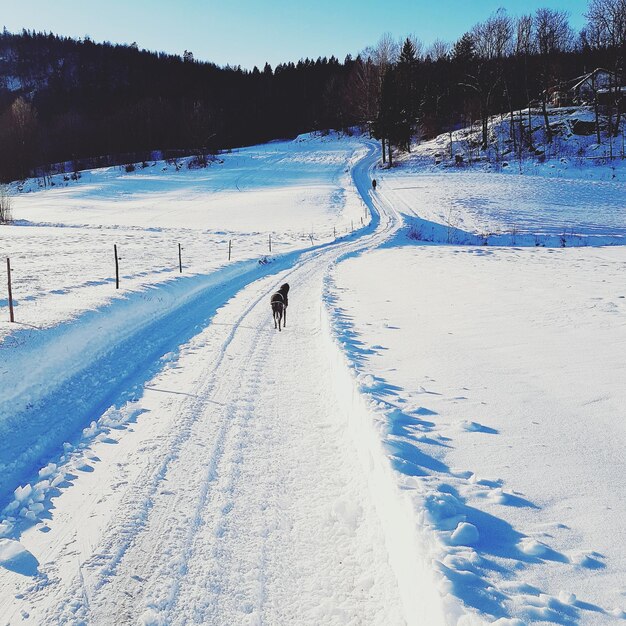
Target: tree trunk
[530, 126]
[382, 141]
[596, 109]
[389, 150]
[546, 121]
[485, 129]
[512, 124]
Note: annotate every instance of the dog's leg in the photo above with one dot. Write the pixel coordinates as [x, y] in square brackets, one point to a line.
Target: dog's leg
[285, 317]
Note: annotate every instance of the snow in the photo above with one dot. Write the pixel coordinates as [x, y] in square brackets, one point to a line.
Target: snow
[434, 438]
[464, 534]
[483, 202]
[14, 557]
[62, 247]
[500, 374]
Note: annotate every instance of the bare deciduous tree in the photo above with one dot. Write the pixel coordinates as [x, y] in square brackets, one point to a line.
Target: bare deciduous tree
[524, 44]
[439, 49]
[493, 38]
[553, 35]
[552, 32]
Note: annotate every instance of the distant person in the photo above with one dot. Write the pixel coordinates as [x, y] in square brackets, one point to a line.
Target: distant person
[374, 184]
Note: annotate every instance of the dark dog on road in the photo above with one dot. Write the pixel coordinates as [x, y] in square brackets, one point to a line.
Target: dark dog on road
[279, 303]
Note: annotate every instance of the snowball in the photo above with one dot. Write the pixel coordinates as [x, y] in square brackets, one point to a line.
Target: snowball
[23, 493]
[567, 598]
[471, 427]
[48, 470]
[532, 547]
[465, 535]
[5, 528]
[11, 550]
[57, 480]
[151, 618]
[498, 496]
[582, 558]
[441, 506]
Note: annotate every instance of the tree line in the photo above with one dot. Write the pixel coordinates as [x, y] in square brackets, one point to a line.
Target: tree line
[63, 99]
[500, 66]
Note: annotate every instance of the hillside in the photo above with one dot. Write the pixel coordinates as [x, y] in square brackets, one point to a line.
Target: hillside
[63, 99]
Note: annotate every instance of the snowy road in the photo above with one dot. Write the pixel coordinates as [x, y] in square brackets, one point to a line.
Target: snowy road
[233, 493]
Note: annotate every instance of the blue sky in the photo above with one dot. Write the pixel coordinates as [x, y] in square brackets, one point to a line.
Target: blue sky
[249, 32]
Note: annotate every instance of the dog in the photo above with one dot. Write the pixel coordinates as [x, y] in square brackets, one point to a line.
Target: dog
[279, 302]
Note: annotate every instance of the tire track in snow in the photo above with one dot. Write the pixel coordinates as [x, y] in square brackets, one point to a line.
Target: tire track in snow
[152, 563]
[137, 506]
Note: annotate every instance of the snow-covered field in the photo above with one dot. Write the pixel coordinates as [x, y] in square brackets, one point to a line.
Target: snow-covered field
[525, 209]
[62, 247]
[435, 438]
[571, 195]
[500, 373]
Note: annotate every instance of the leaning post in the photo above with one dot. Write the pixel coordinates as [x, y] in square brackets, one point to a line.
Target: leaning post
[117, 267]
[11, 315]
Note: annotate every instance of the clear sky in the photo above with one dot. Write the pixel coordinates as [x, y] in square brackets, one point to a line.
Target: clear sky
[250, 32]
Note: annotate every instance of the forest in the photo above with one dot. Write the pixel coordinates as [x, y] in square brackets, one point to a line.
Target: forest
[66, 104]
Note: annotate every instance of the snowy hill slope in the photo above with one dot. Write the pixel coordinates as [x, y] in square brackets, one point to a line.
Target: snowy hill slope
[566, 196]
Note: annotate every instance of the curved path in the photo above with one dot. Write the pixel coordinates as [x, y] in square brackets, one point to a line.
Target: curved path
[234, 493]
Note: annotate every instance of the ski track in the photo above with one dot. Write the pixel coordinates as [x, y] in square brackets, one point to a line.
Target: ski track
[251, 505]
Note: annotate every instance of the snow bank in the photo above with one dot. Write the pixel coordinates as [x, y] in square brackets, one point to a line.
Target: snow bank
[410, 548]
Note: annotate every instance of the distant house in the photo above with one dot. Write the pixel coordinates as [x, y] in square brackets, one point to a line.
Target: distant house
[584, 89]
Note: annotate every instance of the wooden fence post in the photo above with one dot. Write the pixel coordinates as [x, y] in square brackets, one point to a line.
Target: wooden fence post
[11, 315]
[270, 241]
[180, 259]
[230, 247]
[117, 267]
[334, 232]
